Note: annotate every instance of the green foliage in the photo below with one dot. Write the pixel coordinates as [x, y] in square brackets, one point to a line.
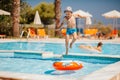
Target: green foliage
[106, 29]
[5, 21]
[5, 25]
[25, 12]
[6, 5]
[46, 12]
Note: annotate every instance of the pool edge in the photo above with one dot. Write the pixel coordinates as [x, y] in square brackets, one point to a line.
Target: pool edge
[110, 72]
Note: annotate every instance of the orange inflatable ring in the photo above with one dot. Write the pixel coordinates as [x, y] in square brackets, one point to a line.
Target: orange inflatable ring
[69, 66]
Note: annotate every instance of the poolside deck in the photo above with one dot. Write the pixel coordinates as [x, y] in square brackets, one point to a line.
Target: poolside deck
[111, 72]
[60, 40]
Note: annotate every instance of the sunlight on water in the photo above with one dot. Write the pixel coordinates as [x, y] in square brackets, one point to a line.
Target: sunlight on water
[59, 48]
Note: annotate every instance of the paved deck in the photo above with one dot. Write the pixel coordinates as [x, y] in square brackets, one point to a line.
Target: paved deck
[59, 40]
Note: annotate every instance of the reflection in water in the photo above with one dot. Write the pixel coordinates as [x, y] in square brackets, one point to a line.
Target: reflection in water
[56, 72]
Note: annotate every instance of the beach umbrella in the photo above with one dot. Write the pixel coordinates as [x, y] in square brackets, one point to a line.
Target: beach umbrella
[80, 14]
[2, 12]
[114, 14]
[88, 19]
[37, 19]
[89, 15]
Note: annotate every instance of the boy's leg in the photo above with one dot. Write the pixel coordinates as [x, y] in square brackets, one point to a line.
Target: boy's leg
[66, 43]
[74, 39]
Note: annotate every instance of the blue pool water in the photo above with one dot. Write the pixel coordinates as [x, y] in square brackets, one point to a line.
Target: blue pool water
[35, 64]
[58, 48]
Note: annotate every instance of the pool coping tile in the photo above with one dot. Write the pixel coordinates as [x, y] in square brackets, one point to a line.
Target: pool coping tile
[106, 73]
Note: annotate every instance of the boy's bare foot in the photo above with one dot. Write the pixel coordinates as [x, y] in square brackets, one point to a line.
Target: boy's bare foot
[70, 45]
[66, 52]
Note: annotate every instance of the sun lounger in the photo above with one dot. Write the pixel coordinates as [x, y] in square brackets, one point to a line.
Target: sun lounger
[41, 33]
[90, 31]
[31, 33]
[2, 36]
[114, 33]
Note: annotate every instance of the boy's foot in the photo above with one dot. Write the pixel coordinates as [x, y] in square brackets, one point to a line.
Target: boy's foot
[70, 45]
[66, 52]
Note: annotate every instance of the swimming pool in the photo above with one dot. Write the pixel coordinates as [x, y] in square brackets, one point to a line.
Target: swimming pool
[59, 48]
[34, 64]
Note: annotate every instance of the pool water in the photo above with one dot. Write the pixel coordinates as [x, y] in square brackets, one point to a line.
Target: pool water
[35, 64]
[59, 48]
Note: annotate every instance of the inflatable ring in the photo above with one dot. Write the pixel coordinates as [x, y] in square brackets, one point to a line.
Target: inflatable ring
[67, 66]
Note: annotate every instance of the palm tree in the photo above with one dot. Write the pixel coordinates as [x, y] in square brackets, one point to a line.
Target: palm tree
[57, 14]
[15, 17]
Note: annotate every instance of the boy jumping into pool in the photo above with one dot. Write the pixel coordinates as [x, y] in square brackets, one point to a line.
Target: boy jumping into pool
[69, 19]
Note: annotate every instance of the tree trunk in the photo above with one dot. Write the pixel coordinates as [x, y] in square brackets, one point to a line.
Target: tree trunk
[57, 15]
[15, 17]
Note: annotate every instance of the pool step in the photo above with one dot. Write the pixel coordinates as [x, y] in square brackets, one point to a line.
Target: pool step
[50, 55]
[6, 53]
[29, 54]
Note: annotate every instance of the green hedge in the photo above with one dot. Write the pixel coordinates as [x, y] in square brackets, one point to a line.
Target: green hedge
[6, 30]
